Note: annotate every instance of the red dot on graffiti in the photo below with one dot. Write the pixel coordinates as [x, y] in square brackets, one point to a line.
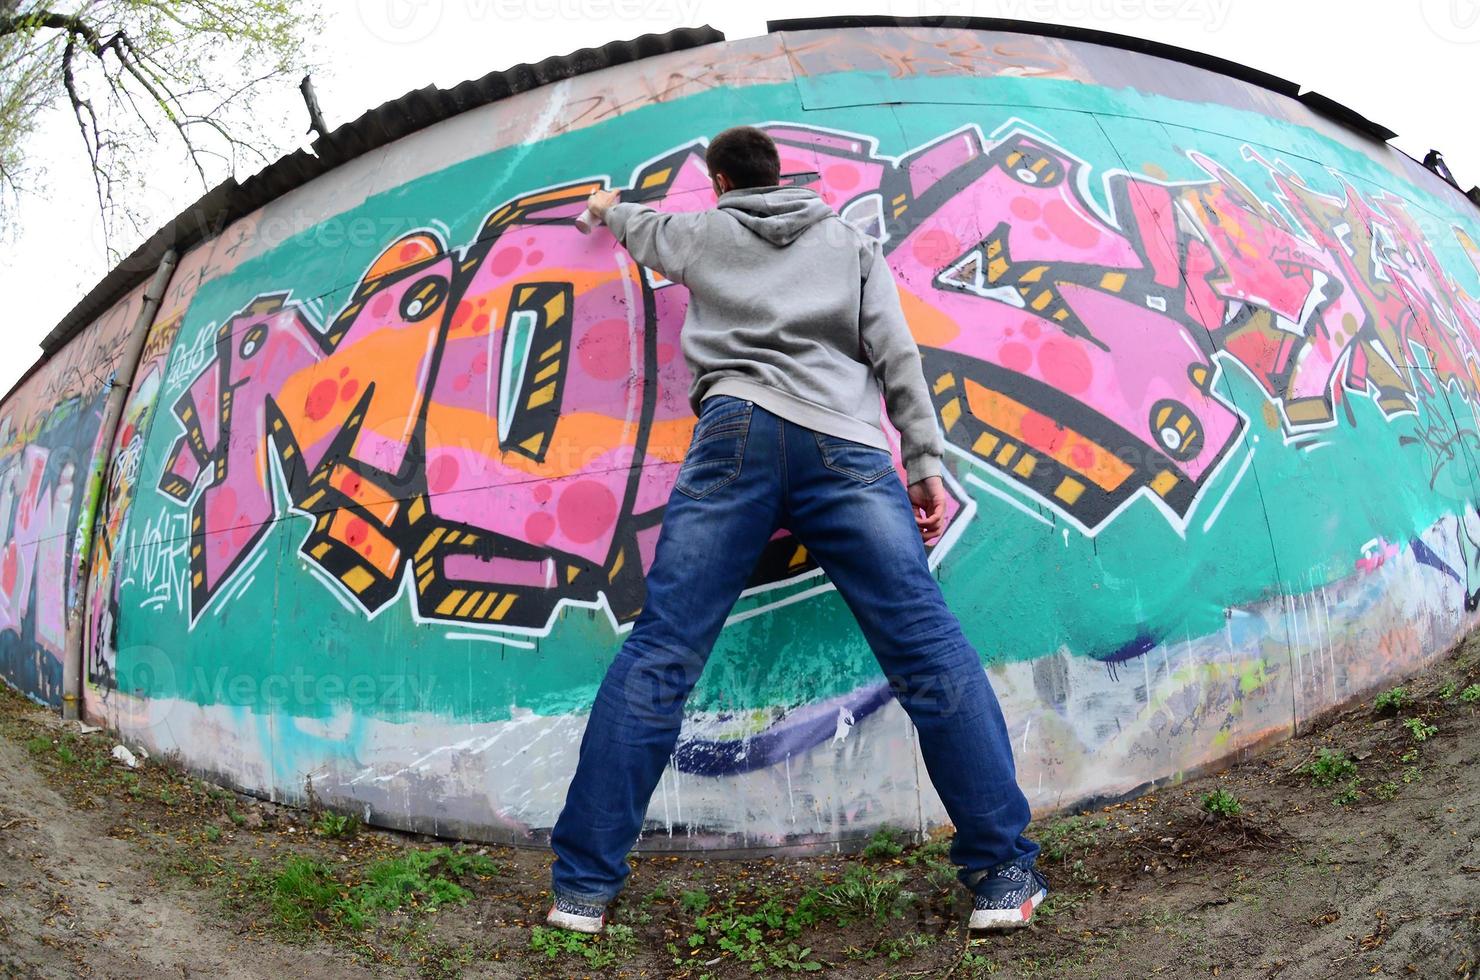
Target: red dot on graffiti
[1041, 432]
[505, 260]
[9, 569]
[1040, 233]
[356, 531]
[1031, 330]
[221, 510]
[442, 473]
[461, 382]
[344, 372]
[587, 510]
[480, 323]
[320, 399]
[1082, 456]
[348, 391]
[1072, 229]
[479, 363]
[606, 350]
[411, 251]
[380, 306]
[936, 247]
[841, 176]
[541, 492]
[1065, 366]
[1015, 357]
[350, 484]
[665, 353]
[535, 257]
[1025, 209]
[538, 527]
[461, 314]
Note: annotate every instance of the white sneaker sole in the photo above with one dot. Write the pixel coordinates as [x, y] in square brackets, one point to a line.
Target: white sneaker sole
[1006, 918]
[575, 923]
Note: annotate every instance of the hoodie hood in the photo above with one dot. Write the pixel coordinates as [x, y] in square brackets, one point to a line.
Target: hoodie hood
[778, 214]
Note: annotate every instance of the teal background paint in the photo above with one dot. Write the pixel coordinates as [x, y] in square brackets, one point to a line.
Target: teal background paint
[1296, 521]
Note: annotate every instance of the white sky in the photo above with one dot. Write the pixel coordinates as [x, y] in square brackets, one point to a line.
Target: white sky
[1412, 65]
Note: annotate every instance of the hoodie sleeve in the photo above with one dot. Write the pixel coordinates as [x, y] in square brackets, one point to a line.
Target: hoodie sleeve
[895, 359]
[663, 240]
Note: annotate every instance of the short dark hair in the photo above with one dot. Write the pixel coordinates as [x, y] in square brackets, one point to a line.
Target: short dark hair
[745, 155]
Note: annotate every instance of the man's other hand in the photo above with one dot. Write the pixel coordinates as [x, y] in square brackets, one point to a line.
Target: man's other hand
[929, 499]
[599, 201]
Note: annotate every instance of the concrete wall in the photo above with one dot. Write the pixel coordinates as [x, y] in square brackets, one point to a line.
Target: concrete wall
[398, 449]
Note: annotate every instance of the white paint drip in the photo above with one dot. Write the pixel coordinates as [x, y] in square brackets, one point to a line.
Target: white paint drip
[845, 724]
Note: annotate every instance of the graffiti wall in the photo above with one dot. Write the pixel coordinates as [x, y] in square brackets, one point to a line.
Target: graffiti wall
[396, 455]
[49, 466]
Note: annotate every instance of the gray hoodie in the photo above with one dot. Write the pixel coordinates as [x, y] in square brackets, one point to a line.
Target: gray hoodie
[793, 309]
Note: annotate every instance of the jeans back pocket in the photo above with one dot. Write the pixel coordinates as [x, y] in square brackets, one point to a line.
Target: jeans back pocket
[717, 447]
[853, 459]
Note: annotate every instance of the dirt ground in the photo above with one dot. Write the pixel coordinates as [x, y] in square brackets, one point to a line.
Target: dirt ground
[1354, 851]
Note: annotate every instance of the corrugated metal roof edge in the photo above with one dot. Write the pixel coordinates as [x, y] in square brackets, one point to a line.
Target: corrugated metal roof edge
[375, 128]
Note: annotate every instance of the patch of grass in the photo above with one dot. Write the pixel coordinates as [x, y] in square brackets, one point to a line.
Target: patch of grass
[1395, 700]
[305, 892]
[1421, 730]
[694, 900]
[612, 946]
[1385, 791]
[1329, 768]
[424, 879]
[763, 936]
[38, 745]
[1221, 803]
[884, 844]
[895, 948]
[935, 857]
[977, 965]
[862, 895]
[1348, 795]
[1071, 836]
[212, 833]
[1471, 694]
[1449, 690]
[1411, 774]
[336, 825]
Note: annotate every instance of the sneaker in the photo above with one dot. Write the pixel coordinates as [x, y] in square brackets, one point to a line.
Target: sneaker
[1006, 898]
[576, 916]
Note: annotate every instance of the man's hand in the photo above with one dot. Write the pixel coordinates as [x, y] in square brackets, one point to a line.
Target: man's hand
[929, 499]
[599, 201]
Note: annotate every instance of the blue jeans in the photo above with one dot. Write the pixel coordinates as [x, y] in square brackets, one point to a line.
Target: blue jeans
[748, 472]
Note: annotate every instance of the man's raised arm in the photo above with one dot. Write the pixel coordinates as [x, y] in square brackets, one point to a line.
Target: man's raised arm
[663, 240]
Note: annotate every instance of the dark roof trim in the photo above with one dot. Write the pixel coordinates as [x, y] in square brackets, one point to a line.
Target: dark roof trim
[1061, 31]
[1319, 103]
[413, 111]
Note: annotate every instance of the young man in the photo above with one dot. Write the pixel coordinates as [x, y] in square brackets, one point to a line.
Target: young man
[793, 326]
